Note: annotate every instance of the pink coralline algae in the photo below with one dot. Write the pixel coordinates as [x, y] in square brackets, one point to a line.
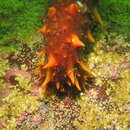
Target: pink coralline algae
[126, 63]
[37, 119]
[12, 73]
[127, 107]
[5, 93]
[1, 124]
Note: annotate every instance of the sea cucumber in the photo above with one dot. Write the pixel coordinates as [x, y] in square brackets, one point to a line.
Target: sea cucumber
[63, 32]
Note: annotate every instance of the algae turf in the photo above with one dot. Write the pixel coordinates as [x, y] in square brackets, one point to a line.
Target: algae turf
[107, 105]
[116, 14]
[104, 105]
[20, 19]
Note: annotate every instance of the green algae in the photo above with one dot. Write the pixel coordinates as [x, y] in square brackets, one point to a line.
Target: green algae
[24, 83]
[4, 65]
[20, 19]
[116, 14]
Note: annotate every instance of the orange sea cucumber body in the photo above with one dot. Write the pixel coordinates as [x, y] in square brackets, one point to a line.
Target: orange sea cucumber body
[63, 33]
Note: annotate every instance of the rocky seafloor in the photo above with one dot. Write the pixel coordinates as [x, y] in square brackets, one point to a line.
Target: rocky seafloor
[105, 104]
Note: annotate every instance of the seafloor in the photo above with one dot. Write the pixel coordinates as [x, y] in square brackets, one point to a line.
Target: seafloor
[103, 106]
[105, 103]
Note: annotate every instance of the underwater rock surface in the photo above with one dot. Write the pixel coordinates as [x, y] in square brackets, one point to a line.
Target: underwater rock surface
[103, 105]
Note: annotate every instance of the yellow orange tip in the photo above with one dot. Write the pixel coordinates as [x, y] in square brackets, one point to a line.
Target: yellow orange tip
[47, 79]
[76, 42]
[51, 62]
[70, 74]
[43, 30]
[51, 11]
[40, 63]
[90, 37]
[77, 85]
[57, 85]
[98, 17]
[72, 9]
[40, 54]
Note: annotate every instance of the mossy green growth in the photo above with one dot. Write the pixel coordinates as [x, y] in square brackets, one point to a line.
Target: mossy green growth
[24, 83]
[4, 65]
[116, 14]
[20, 19]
